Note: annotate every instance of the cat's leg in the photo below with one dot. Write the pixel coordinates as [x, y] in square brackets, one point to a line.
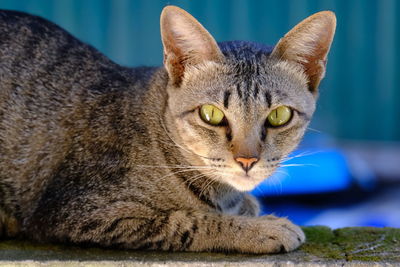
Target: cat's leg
[238, 203]
[9, 226]
[126, 225]
[2, 225]
[249, 206]
[197, 231]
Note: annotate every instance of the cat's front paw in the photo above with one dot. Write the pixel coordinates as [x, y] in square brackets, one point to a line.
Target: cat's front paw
[283, 235]
[270, 234]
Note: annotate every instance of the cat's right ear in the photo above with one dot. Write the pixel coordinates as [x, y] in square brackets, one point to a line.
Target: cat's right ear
[308, 44]
[186, 42]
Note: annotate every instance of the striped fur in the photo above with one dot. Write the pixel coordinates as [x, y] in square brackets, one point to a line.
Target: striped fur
[95, 153]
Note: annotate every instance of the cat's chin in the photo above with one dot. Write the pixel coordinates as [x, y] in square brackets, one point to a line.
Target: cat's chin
[242, 182]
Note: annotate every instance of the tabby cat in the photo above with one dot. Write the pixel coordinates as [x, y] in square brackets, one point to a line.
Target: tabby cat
[152, 157]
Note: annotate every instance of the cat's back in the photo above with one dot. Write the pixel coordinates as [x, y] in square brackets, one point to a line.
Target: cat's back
[28, 38]
[19, 22]
[42, 59]
[60, 99]
[32, 47]
[44, 73]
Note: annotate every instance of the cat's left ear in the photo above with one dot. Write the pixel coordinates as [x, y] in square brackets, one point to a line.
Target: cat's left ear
[186, 42]
[308, 44]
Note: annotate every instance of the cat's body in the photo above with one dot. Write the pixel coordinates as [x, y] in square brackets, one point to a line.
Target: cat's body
[90, 152]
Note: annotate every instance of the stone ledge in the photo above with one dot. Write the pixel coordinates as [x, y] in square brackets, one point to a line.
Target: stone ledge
[324, 247]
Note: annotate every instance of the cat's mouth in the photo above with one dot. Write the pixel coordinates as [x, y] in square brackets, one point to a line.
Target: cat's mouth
[243, 181]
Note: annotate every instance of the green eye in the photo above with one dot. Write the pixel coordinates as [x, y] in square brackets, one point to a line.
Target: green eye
[211, 114]
[279, 116]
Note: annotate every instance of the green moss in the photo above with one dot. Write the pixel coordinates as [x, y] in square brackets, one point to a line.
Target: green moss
[320, 242]
[356, 243]
[320, 234]
[346, 244]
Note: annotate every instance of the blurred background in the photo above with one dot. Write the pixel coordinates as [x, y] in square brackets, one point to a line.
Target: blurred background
[347, 170]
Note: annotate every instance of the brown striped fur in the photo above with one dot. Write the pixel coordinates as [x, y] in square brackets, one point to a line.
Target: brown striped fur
[95, 153]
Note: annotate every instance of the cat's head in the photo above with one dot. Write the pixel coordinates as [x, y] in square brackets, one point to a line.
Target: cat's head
[237, 109]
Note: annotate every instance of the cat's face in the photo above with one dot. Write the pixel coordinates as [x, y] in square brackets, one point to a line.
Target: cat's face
[236, 112]
[246, 100]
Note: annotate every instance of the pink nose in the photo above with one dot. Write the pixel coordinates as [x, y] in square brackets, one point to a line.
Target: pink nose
[246, 163]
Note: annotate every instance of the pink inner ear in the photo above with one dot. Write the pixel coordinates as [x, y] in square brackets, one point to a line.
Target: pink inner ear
[308, 44]
[173, 59]
[186, 42]
[316, 62]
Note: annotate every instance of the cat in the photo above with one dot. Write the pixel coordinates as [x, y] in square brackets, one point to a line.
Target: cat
[156, 158]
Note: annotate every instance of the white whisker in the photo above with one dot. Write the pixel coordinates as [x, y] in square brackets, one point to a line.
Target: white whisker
[194, 178]
[175, 167]
[176, 143]
[298, 165]
[207, 186]
[173, 173]
[314, 130]
[303, 154]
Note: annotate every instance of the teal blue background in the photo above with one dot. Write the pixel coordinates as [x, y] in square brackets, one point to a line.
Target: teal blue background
[360, 97]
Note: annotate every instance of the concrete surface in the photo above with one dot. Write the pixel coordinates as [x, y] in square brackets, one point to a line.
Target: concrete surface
[341, 247]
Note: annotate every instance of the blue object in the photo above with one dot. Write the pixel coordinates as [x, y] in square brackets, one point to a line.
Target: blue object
[311, 171]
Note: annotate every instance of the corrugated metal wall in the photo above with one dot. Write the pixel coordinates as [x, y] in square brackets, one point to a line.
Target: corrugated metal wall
[360, 95]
